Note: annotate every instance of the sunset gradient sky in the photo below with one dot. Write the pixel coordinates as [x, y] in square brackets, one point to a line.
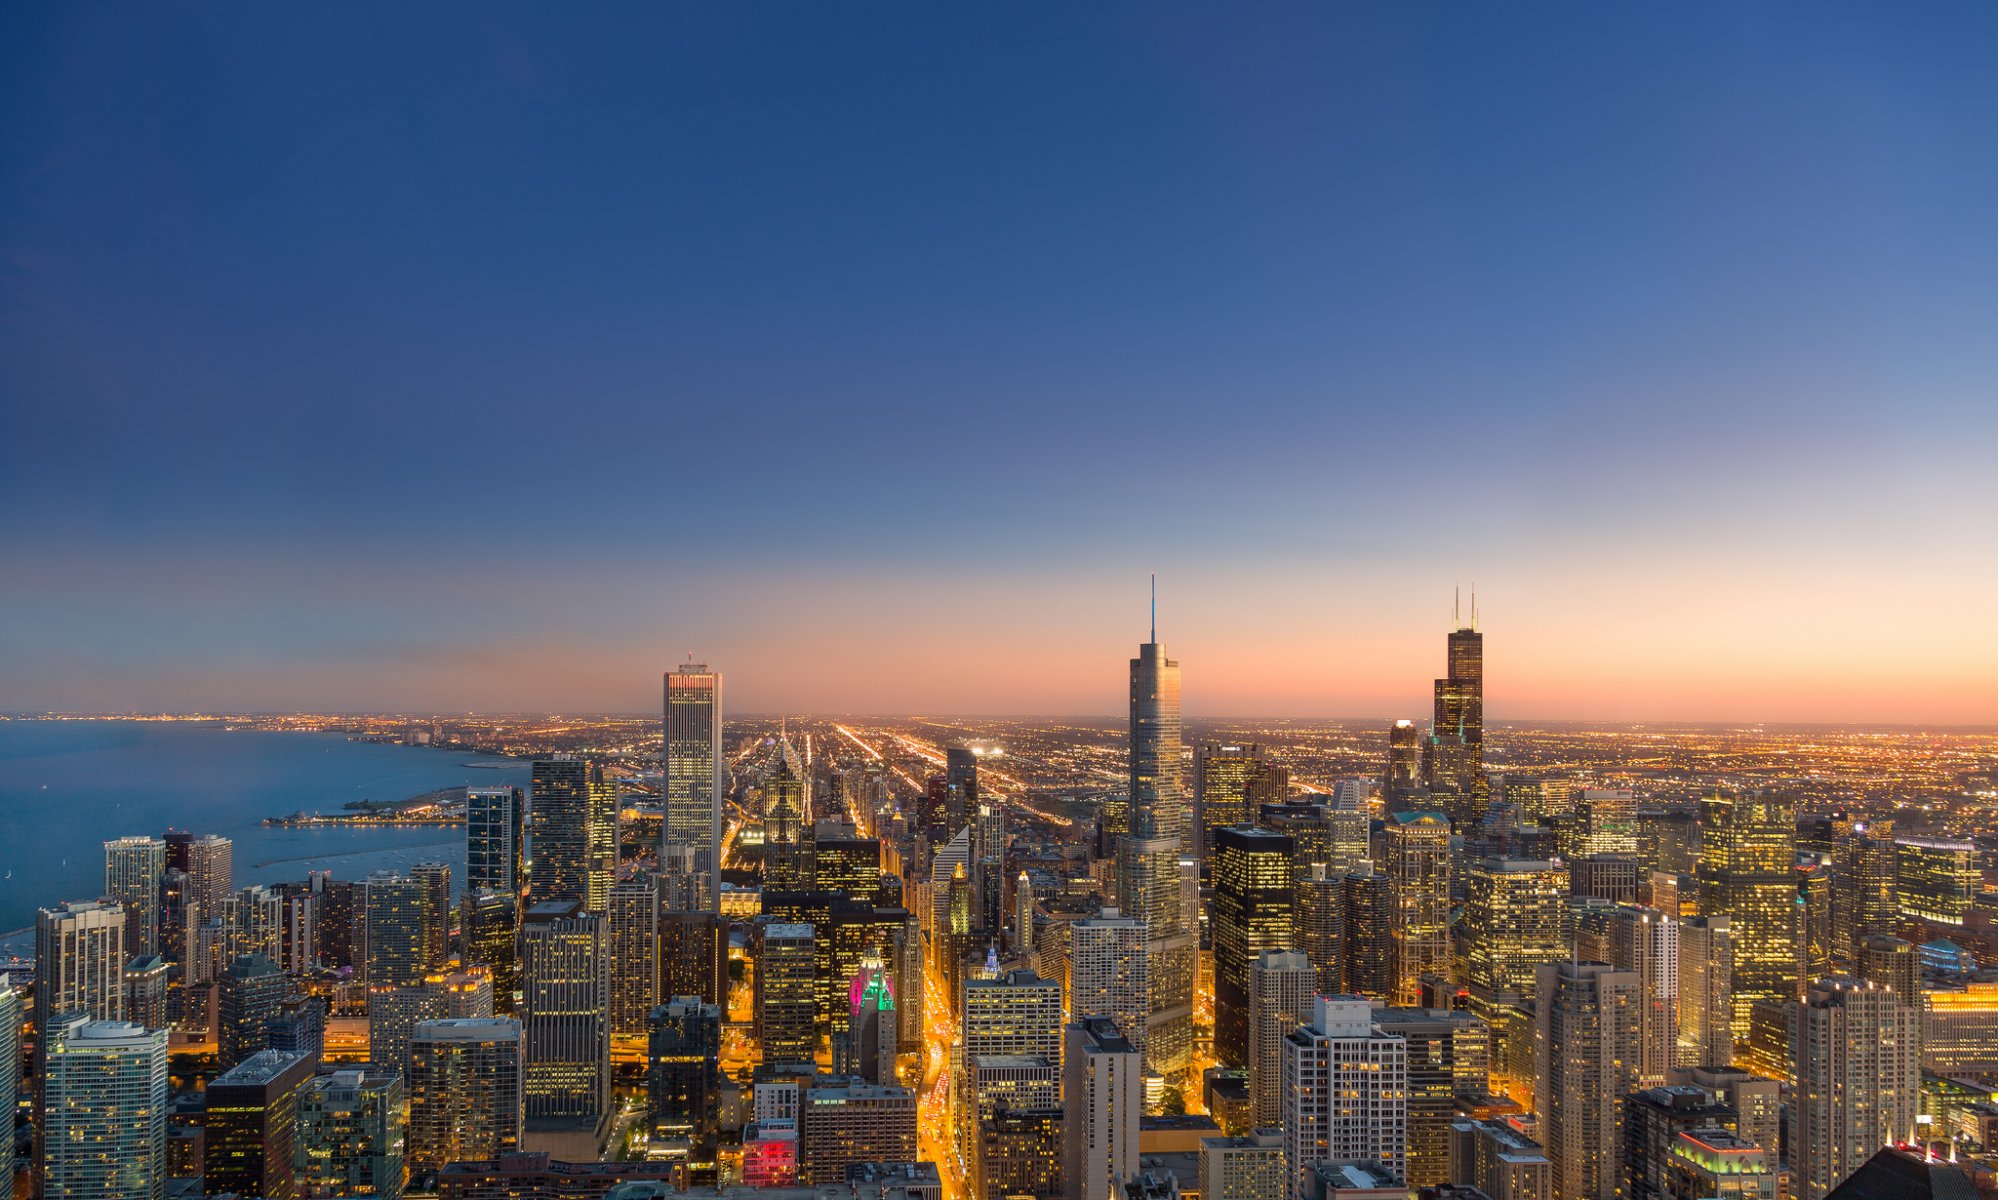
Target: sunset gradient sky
[488, 357]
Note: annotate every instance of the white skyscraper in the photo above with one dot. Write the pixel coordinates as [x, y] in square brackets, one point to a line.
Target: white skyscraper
[694, 769]
[1855, 1080]
[105, 1123]
[1345, 1093]
[1107, 972]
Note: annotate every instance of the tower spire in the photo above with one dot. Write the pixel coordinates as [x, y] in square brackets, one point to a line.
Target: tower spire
[1457, 605]
[1155, 606]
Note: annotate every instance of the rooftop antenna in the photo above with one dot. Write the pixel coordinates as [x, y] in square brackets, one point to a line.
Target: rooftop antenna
[1474, 604]
[1155, 607]
[1457, 605]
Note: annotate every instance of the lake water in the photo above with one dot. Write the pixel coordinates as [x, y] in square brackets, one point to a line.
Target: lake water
[68, 786]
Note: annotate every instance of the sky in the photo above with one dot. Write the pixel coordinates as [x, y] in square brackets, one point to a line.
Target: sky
[491, 357]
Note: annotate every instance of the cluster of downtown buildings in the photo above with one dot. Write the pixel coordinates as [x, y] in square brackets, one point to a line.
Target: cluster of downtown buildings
[829, 981]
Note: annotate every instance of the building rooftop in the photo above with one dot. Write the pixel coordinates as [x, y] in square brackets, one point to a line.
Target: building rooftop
[259, 1069]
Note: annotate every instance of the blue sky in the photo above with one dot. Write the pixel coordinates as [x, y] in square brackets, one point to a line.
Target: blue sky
[484, 356]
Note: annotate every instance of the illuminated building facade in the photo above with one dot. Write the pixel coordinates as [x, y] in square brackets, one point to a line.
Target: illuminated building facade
[465, 1091]
[1402, 784]
[1746, 875]
[351, 1135]
[1855, 1081]
[1706, 992]
[1586, 1052]
[1417, 864]
[1252, 913]
[787, 863]
[1148, 858]
[103, 1131]
[1103, 1095]
[495, 840]
[565, 994]
[1345, 1093]
[1282, 984]
[1107, 972]
[786, 996]
[250, 1123]
[694, 780]
[683, 1074]
[1231, 783]
[1936, 879]
[1453, 767]
[132, 870]
[632, 942]
[1448, 1055]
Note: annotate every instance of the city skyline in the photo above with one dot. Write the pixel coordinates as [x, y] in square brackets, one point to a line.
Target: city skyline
[1667, 328]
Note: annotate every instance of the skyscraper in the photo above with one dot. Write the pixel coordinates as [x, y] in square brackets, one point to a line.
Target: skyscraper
[1448, 1057]
[1855, 1080]
[104, 1125]
[1016, 1014]
[843, 1122]
[1706, 992]
[132, 870]
[633, 944]
[250, 1124]
[400, 927]
[1231, 783]
[1281, 986]
[960, 789]
[1586, 1047]
[1370, 911]
[248, 995]
[80, 960]
[1865, 867]
[1645, 942]
[1107, 972]
[575, 832]
[565, 991]
[1148, 871]
[492, 927]
[435, 880]
[1401, 785]
[464, 1089]
[1417, 864]
[693, 770]
[1252, 913]
[683, 1072]
[786, 999]
[1745, 874]
[351, 1135]
[1514, 909]
[1935, 879]
[1103, 1093]
[1345, 1093]
[1320, 921]
[787, 862]
[1454, 771]
[495, 840]
[10, 1042]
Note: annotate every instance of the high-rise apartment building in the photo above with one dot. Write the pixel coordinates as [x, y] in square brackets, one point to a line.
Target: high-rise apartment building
[1417, 864]
[103, 1129]
[1014, 1015]
[1243, 1167]
[80, 960]
[1252, 913]
[1513, 921]
[352, 1135]
[1231, 783]
[1855, 1080]
[400, 929]
[694, 767]
[786, 995]
[1345, 1094]
[1103, 1094]
[1498, 1158]
[1706, 992]
[1106, 963]
[465, 1091]
[632, 933]
[495, 840]
[1866, 900]
[575, 817]
[1282, 984]
[1746, 874]
[565, 992]
[1586, 1044]
[492, 929]
[250, 1126]
[1645, 942]
[133, 867]
[1891, 962]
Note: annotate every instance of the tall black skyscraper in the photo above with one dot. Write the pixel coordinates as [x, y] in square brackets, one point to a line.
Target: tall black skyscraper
[1454, 767]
